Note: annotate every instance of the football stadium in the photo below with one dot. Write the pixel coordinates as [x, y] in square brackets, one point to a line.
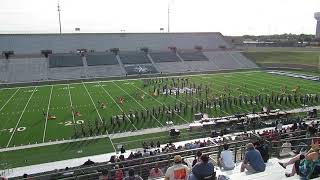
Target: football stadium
[175, 105]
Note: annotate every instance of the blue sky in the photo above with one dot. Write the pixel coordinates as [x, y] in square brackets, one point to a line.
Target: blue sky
[230, 17]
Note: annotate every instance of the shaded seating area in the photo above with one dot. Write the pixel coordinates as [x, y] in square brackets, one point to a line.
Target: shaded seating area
[65, 60]
[140, 69]
[98, 59]
[168, 56]
[193, 56]
[134, 58]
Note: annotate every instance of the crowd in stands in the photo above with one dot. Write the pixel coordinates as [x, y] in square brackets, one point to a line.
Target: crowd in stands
[306, 163]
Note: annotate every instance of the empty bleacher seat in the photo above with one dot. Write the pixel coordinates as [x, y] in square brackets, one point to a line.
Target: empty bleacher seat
[164, 56]
[140, 69]
[134, 58]
[193, 56]
[97, 59]
[65, 60]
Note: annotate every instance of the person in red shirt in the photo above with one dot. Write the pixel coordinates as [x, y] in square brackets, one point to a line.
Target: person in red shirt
[119, 173]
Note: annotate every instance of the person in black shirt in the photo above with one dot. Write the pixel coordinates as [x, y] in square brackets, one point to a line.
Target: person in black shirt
[263, 149]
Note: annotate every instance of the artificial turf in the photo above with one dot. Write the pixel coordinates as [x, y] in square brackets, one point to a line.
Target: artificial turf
[23, 110]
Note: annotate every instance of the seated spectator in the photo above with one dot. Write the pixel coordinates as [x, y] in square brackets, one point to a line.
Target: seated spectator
[131, 156]
[226, 158]
[197, 158]
[132, 176]
[88, 163]
[304, 165]
[121, 157]
[155, 172]
[286, 148]
[177, 171]
[104, 175]
[203, 169]
[112, 159]
[263, 149]
[119, 173]
[253, 161]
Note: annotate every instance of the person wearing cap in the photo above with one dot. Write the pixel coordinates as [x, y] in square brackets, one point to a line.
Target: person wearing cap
[253, 161]
[177, 171]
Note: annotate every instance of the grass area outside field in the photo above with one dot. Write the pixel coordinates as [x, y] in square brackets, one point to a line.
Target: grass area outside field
[289, 57]
[52, 153]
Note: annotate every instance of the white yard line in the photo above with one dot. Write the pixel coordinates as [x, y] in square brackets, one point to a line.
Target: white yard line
[182, 75]
[137, 102]
[71, 104]
[45, 125]
[121, 135]
[114, 147]
[25, 107]
[117, 105]
[9, 99]
[92, 102]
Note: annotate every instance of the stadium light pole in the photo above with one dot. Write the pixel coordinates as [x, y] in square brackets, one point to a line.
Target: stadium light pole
[59, 17]
[168, 17]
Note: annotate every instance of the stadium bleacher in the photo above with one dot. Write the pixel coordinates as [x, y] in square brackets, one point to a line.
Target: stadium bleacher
[104, 71]
[223, 60]
[66, 73]
[98, 59]
[100, 42]
[163, 159]
[165, 56]
[27, 70]
[134, 57]
[27, 47]
[172, 67]
[140, 69]
[65, 60]
[193, 56]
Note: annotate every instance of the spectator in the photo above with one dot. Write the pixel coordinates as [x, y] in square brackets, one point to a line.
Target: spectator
[203, 169]
[112, 159]
[177, 171]
[155, 172]
[303, 164]
[88, 163]
[197, 158]
[119, 173]
[132, 176]
[226, 158]
[122, 150]
[279, 126]
[121, 157]
[253, 161]
[158, 144]
[263, 149]
[285, 148]
[104, 175]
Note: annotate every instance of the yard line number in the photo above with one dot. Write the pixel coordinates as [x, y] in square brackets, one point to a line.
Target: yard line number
[19, 129]
[70, 123]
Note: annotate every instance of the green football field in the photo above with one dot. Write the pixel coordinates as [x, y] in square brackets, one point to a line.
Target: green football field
[49, 113]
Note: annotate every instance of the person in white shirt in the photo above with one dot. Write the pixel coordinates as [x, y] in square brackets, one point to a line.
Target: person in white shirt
[226, 158]
[178, 171]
